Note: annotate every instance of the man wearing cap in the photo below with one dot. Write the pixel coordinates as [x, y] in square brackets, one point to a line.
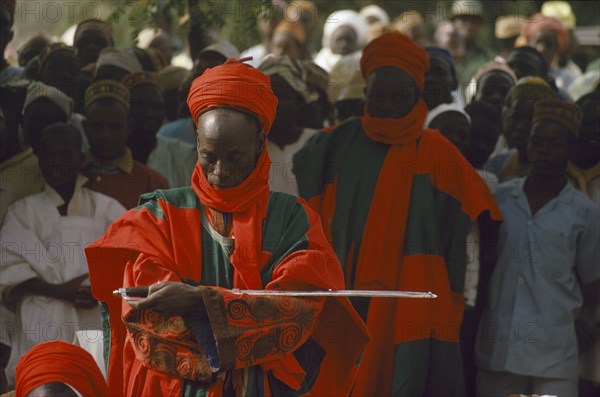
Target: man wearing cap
[91, 37]
[506, 31]
[146, 111]
[547, 268]
[441, 82]
[109, 164]
[517, 113]
[468, 18]
[193, 335]
[287, 136]
[398, 222]
[115, 64]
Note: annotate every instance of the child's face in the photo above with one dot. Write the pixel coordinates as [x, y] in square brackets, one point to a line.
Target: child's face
[59, 158]
[548, 149]
[455, 127]
[107, 129]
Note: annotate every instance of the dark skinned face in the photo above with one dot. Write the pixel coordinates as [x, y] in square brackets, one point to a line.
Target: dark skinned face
[439, 83]
[493, 87]
[60, 70]
[344, 40]
[545, 41]
[482, 140]
[229, 144]
[453, 126]
[59, 156]
[283, 43]
[147, 108]
[39, 114]
[89, 43]
[548, 149]
[285, 127]
[107, 129]
[517, 123]
[391, 93]
[468, 27]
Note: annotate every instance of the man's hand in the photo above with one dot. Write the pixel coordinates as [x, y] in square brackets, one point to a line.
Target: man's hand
[172, 299]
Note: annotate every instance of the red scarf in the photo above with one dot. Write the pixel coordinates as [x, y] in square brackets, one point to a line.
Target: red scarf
[386, 222]
[248, 204]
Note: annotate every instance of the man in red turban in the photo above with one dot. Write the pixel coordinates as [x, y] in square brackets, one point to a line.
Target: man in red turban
[192, 335]
[59, 369]
[397, 202]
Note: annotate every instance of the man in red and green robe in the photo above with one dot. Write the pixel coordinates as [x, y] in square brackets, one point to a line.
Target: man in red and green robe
[192, 335]
[397, 203]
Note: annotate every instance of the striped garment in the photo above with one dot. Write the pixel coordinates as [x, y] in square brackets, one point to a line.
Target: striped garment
[264, 346]
[342, 174]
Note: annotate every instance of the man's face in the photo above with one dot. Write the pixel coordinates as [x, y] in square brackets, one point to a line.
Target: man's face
[548, 149]
[39, 114]
[107, 129]
[545, 41]
[453, 126]
[344, 40]
[439, 83]
[229, 144]
[391, 93]
[147, 110]
[493, 87]
[59, 157]
[482, 140]
[284, 130]
[517, 122]
[284, 43]
[60, 70]
[89, 42]
[468, 27]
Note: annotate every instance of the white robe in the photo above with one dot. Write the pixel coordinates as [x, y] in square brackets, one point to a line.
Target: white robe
[37, 242]
[281, 177]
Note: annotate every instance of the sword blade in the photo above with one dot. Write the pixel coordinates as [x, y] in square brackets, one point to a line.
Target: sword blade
[348, 293]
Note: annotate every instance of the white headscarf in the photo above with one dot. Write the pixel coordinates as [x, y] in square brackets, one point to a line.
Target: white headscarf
[345, 18]
[379, 13]
[443, 108]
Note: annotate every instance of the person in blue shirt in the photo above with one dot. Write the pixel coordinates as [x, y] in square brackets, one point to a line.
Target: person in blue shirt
[546, 274]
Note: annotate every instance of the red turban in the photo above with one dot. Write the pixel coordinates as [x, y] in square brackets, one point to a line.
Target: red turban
[538, 22]
[395, 49]
[234, 84]
[60, 362]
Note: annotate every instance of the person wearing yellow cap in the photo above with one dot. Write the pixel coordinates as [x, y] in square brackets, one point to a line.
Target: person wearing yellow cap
[517, 113]
[546, 271]
[109, 164]
[507, 30]
[469, 18]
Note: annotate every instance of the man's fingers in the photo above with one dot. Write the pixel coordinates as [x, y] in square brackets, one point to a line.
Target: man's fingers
[156, 287]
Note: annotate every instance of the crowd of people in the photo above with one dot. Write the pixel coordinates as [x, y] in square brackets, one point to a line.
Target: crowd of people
[387, 160]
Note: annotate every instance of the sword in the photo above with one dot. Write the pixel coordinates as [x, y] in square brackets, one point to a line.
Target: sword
[136, 293]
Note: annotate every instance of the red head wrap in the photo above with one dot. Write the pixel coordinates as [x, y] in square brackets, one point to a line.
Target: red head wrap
[237, 85]
[60, 362]
[539, 22]
[395, 49]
